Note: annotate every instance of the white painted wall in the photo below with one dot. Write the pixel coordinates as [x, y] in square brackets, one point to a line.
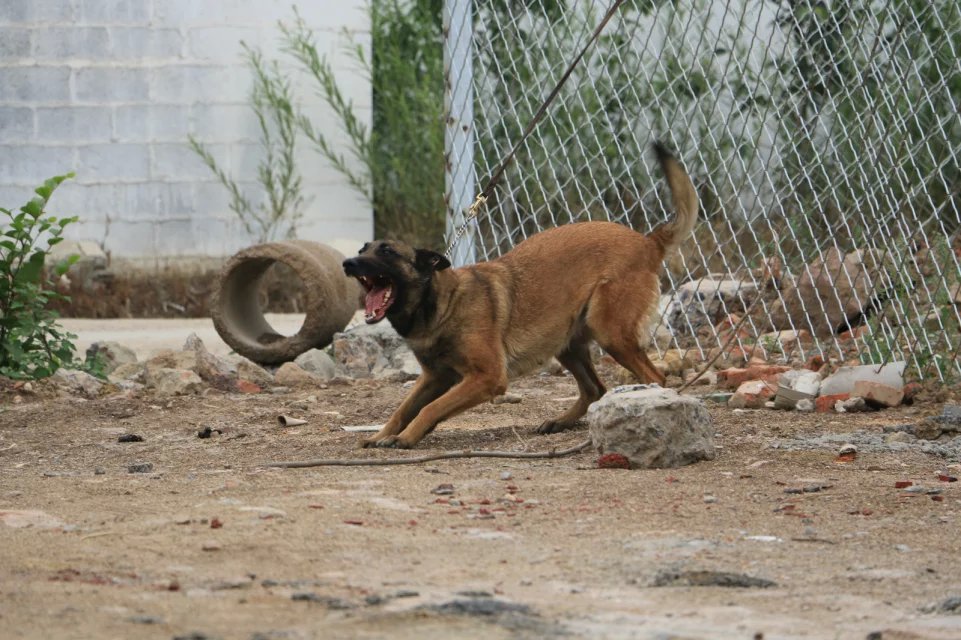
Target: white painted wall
[112, 88]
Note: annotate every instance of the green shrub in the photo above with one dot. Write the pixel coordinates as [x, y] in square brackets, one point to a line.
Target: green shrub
[401, 156]
[281, 203]
[32, 345]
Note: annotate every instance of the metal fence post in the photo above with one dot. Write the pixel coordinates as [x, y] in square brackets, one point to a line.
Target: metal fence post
[460, 187]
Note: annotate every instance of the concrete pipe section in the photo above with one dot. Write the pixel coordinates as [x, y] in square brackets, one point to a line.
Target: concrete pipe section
[331, 299]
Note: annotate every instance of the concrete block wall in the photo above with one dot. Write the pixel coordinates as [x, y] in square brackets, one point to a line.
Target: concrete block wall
[112, 88]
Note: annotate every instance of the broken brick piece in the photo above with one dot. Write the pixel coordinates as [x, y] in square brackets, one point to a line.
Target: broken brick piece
[825, 404]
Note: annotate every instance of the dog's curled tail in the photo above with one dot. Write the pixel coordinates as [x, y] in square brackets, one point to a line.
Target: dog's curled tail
[670, 235]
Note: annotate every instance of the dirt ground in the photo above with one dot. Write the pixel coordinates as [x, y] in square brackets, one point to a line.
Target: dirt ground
[211, 543]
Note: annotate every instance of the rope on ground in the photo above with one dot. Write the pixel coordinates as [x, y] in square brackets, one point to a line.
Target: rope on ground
[447, 455]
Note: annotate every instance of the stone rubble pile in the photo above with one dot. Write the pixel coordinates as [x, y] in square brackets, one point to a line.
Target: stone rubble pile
[363, 351]
[848, 389]
[378, 352]
[828, 298]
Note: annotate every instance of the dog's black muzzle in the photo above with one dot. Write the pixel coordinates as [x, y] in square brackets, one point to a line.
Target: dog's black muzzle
[353, 267]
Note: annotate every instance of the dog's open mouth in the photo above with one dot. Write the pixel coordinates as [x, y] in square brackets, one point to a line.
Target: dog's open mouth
[380, 295]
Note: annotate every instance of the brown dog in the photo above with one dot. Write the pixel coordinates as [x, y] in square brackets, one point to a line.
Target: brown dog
[474, 328]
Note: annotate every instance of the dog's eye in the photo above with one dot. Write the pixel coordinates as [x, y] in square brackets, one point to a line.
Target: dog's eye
[385, 250]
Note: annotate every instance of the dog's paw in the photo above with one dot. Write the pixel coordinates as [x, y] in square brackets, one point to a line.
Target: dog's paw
[553, 426]
[365, 443]
[394, 442]
[390, 442]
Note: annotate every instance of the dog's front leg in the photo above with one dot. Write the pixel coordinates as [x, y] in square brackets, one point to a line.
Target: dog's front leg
[429, 387]
[473, 390]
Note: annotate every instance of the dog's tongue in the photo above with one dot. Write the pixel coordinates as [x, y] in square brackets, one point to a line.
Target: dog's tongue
[376, 304]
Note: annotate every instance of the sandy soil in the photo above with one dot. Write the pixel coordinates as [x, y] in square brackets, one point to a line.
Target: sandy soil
[211, 543]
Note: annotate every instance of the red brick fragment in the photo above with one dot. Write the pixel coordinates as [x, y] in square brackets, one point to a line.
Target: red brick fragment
[825, 404]
[613, 461]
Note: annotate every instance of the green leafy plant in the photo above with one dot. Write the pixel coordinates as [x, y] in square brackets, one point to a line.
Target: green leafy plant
[281, 205]
[95, 364]
[588, 158]
[881, 79]
[397, 163]
[926, 290]
[32, 345]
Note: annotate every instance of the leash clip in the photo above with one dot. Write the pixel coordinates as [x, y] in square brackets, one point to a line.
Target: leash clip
[472, 210]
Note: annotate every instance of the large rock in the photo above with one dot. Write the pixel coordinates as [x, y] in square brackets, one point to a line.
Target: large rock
[173, 382]
[77, 382]
[290, 374]
[802, 380]
[170, 359]
[652, 427]
[318, 363]
[130, 372]
[932, 427]
[833, 290]
[374, 351]
[878, 394]
[215, 371]
[111, 355]
[249, 371]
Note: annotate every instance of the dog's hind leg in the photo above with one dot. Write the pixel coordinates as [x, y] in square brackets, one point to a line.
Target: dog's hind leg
[577, 359]
[633, 358]
[617, 313]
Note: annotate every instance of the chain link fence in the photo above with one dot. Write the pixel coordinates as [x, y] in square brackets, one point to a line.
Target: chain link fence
[824, 138]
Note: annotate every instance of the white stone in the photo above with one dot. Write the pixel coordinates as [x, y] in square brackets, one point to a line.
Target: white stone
[652, 427]
[79, 382]
[797, 385]
[704, 302]
[375, 351]
[318, 363]
[842, 381]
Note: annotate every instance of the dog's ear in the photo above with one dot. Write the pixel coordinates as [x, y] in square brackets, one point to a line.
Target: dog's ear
[427, 260]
